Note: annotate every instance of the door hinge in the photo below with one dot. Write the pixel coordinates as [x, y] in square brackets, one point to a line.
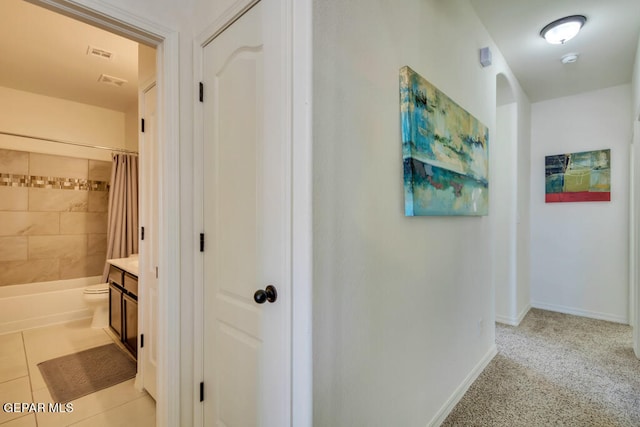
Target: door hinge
[141, 340]
[156, 272]
[142, 124]
[141, 233]
[201, 242]
[201, 96]
[202, 392]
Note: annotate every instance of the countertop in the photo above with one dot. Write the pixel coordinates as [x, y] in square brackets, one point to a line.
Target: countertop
[130, 265]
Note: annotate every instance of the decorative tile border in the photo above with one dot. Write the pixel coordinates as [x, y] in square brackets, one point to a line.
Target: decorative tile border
[12, 180]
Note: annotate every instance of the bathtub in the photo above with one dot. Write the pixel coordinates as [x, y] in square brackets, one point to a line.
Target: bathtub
[45, 303]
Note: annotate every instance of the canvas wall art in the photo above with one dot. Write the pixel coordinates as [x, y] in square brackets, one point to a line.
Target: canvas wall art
[444, 150]
[578, 177]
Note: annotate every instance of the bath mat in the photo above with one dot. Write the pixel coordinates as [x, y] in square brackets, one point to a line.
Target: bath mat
[76, 375]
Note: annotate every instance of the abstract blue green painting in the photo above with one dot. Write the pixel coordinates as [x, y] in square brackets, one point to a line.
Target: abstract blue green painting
[445, 152]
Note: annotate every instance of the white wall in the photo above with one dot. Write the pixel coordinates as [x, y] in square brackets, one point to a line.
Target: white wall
[579, 251]
[46, 117]
[634, 244]
[635, 118]
[510, 161]
[504, 158]
[636, 85]
[523, 212]
[403, 307]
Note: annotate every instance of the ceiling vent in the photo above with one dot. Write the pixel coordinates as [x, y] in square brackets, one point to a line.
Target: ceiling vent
[110, 80]
[99, 53]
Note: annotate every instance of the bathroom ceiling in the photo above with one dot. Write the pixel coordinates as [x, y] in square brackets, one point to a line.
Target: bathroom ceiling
[606, 44]
[46, 53]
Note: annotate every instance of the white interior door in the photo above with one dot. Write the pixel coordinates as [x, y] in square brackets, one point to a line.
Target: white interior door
[247, 224]
[148, 260]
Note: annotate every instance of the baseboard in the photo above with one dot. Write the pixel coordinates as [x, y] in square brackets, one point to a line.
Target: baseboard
[513, 321]
[580, 312]
[523, 313]
[462, 388]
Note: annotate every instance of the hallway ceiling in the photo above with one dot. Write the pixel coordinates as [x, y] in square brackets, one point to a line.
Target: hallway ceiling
[46, 53]
[606, 44]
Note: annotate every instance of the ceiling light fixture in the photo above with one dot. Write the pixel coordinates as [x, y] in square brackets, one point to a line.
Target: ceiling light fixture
[563, 29]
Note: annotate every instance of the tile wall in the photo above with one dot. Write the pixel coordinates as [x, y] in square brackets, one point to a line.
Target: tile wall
[53, 217]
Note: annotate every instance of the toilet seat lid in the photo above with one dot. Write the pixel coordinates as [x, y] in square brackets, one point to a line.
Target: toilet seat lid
[101, 288]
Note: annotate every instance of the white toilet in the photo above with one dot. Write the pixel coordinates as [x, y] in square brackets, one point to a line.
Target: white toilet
[97, 298]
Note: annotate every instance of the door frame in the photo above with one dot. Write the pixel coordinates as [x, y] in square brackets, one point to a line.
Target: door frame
[166, 41]
[634, 233]
[297, 31]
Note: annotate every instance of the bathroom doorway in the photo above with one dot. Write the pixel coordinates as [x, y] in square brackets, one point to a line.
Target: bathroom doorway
[150, 38]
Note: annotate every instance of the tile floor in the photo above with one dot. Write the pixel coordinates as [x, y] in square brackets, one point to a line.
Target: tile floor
[20, 381]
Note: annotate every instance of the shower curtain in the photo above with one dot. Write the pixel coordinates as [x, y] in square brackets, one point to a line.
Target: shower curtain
[122, 226]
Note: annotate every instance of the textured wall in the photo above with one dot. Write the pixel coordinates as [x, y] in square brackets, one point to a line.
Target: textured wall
[53, 217]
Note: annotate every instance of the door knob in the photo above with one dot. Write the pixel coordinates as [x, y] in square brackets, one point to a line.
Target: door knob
[268, 294]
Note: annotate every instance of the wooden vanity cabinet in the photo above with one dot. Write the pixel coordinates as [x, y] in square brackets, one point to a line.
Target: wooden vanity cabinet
[123, 307]
[115, 310]
[130, 329]
[116, 281]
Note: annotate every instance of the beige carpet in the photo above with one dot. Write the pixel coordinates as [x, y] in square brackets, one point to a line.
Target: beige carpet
[556, 370]
[76, 375]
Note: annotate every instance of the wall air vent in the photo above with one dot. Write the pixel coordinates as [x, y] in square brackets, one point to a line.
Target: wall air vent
[113, 81]
[99, 53]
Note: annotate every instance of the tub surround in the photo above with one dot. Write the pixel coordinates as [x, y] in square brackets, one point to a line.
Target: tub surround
[53, 217]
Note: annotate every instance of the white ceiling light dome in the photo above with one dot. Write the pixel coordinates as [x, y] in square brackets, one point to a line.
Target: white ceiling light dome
[563, 29]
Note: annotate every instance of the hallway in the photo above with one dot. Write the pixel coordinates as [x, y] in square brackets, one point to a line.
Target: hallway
[556, 369]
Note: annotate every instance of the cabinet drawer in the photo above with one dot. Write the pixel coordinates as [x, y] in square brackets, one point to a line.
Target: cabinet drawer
[115, 275]
[131, 284]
